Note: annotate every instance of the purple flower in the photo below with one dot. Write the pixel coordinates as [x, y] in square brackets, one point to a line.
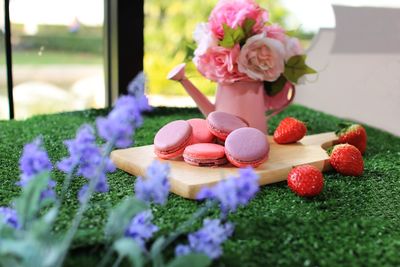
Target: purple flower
[118, 127]
[34, 161]
[137, 88]
[9, 217]
[207, 240]
[233, 191]
[79, 149]
[141, 228]
[156, 186]
[88, 160]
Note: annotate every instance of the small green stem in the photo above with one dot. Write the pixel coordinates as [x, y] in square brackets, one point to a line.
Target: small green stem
[107, 257]
[84, 205]
[183, 227]
[118, 261]
[66, 184]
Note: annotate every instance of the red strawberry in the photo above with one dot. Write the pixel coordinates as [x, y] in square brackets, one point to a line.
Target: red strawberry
[306, 180]
[289, 130]
[347, 160]
[353, 134]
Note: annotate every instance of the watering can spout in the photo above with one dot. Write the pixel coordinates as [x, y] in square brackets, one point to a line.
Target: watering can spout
[178, 74]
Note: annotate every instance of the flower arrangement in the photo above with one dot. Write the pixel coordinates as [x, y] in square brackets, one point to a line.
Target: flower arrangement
[240, 44]
[26, 226]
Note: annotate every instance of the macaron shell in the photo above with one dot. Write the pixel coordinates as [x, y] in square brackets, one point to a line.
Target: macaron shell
[239, 164]
[201, 133]
[205, 154]
[247, 147]
[221, 124]
[172, 139]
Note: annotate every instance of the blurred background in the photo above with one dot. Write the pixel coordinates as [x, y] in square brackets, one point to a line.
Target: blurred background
[58, 48]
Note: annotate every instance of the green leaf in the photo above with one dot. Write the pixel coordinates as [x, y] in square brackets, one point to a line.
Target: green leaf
[232, 36]
[228, 41]
[190, 47]
[292, 33]
[155, 251]
[42, 226]
[127, 247]
[296, 67]
[28, 203]
[273, 88]
[192, 260]
[248, 27]
[121, 215]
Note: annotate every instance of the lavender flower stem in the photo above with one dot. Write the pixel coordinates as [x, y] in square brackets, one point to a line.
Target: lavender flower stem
[84, 205]
[66, 184]
[182, 228]
[118, 261]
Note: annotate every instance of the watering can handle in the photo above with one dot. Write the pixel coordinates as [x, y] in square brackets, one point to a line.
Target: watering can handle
[277, 103]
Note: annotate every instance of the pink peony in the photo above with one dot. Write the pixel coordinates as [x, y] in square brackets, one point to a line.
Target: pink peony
[219, 64]
[276, 32]
[234, 13]
[262, 58]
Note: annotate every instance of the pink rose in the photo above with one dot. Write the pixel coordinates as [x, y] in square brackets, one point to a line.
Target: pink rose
[233, 13]
[219, 64]
[262, 58]
[276, 32]
[292, 47]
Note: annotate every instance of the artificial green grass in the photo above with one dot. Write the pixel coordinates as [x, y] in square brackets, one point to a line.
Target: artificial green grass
[354, 222]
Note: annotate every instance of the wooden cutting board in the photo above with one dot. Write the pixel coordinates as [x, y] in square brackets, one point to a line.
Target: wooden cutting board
[187, 180]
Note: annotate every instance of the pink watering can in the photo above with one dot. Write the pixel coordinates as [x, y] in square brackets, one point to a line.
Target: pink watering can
[246, 100]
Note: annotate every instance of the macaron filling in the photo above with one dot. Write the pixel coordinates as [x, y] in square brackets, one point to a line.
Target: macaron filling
[205, 162]
[174, 150]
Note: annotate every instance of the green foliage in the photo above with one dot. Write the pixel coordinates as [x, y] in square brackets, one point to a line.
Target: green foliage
[296, 67]
[193, 260]
[121, 215]
[28, 203]
[237, 35]
[128, 248]
[232, 36]
[66, 42]
[272, 88]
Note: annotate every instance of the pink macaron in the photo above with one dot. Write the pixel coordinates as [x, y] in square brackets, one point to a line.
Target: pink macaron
[247, 147]
[201, 133]
[221, 124]
[205, 154]
[172, 139]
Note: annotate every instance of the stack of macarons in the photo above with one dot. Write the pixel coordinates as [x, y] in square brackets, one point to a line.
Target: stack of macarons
[220, 139]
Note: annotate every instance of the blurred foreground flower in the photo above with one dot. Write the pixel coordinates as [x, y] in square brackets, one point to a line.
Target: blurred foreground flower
[207, 240]
[119, 126]
[35, 161]
[234, 191]
[9, 216]
[156, 186]
[141, 228]
[88, 160]
[137, 88]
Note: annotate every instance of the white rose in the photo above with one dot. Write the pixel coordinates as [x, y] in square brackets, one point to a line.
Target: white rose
[262, 58]
[204, 38]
